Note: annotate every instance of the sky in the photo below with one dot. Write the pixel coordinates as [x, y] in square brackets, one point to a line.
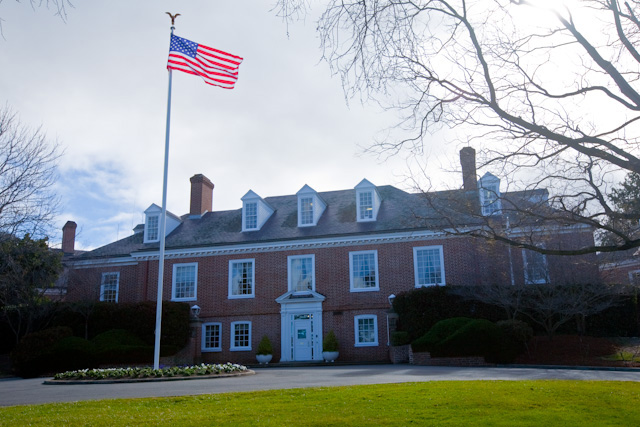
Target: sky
[97, 84]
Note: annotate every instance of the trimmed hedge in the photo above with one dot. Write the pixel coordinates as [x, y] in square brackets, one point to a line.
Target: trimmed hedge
[137, 318]
[400, 338]
[463, 336]
[440, 332]
[419, 309]
[71, 353]
[30, 357]
[119, 346]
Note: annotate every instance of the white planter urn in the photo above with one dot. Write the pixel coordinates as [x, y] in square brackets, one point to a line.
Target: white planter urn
[330, 356]
[263, 359]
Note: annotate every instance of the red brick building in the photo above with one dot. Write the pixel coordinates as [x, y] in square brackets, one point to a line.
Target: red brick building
[294, 267]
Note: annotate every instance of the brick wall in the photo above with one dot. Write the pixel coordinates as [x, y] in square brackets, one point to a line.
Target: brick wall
[467, 261]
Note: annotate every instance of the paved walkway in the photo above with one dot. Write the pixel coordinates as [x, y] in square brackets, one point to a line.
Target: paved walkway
[15, 391]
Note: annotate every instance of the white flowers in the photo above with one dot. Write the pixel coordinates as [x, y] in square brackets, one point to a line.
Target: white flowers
[176, 371]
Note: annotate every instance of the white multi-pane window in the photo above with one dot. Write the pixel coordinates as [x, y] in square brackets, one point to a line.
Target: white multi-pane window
[428, 264]
[240, 336]
[211, 337]
[185, 282]
[535, 267]
[251, 215]
[306, 210]
[301, 273]
[364, 271]
[109, 287]
[365, 205]
[366, 330]
[489, 196]
[152, 227]
[241, 278]
[489, 187]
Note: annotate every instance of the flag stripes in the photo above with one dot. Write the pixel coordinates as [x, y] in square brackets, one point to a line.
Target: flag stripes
[216, 67]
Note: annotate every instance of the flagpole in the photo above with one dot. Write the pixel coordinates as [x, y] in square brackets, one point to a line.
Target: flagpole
[162, 228]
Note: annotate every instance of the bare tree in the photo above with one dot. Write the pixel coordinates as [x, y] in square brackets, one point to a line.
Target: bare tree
[548, 305]
[550, 96]
[27, 174]
[59, 6]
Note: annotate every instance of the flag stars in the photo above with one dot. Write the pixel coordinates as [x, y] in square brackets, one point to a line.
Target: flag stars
[184, 46]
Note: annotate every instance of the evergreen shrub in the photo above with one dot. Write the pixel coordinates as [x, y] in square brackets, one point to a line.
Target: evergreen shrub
[71, 353]
[330, 342]
[461, 337]
[119, 346]
[265, 347]
[438, 333]
[419, 309]
[30, 357]
[400, 338]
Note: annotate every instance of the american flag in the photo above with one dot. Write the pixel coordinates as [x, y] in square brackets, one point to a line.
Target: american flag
[216, 67]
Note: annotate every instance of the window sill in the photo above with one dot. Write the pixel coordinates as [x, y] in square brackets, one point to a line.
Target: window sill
[241, 296]
[376, 289]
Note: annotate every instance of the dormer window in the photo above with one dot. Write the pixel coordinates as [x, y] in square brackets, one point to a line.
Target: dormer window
[310, 207]
[365, 210]
[255, 212]
[306, 211]
[153, 222]
[367, 201]
[489, 187]
[251, 216]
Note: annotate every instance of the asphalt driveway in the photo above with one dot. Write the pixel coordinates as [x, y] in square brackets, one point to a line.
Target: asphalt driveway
[15, 391]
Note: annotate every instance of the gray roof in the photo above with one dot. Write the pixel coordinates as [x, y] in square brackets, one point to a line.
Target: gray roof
[399, 211]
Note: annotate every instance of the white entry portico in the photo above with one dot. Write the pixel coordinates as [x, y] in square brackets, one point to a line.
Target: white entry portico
[300, 326]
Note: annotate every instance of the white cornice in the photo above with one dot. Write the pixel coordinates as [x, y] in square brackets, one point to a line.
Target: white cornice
[247, 248]
[290, 245]
[110, 262]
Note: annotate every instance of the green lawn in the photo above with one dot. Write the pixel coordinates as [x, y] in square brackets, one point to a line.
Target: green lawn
[456, 403]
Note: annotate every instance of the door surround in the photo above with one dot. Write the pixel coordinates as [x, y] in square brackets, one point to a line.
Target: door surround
[294, 305]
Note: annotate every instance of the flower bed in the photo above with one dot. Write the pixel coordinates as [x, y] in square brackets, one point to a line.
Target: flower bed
[128, 373]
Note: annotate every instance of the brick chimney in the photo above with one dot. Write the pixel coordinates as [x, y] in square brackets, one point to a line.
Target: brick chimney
[468, 163]
[201, 195]
[69, 237]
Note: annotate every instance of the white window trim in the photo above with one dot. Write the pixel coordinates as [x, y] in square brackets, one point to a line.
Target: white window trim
[527, 281]
[313, 272]
[415, 266]
[244, 216]
[173, 283]
[102, 284]
[233, 336]
[313, 210]
[253, 278]
[351, 277]
[490, 184]
[146, 229]
[202, 340]
[375, 327]
[373, 205]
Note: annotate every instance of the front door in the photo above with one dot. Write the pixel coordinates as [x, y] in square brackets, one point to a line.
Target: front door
[302, 338]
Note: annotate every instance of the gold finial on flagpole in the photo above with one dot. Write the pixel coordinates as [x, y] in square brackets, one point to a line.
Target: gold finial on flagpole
[173, 18]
